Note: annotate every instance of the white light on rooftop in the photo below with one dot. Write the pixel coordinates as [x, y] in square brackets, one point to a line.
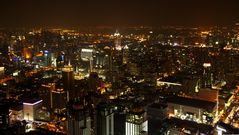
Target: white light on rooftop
[86, 50]
[207, 65]
[32, 103]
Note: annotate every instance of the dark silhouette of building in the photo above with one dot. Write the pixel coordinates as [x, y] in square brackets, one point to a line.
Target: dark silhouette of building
[104, 119]
[119, 121]
[4, 115]
[156, 114]
[79, 121]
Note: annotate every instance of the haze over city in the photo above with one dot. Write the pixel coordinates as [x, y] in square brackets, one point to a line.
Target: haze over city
[73, 13]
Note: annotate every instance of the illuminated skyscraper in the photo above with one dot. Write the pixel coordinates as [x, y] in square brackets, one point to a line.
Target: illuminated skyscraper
[125, 54]
[68, 80]
[207, 76]
[87, 55]
[58, 100]
[46, 58]
[117, 40]
[136, 122]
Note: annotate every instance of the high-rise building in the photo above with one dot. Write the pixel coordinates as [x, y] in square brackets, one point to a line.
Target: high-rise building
[4, 115]
[1, 72]
[207, 78]
[93, 81]
[156, 114]
[117, 40]
[119, 118]
[60, 61]
[104, 119]
[30, 108]
[125, 54]
[100, 60]
[87, 55]
[58, 100]
[68, 81]
[48, 58]
[136, 122]
[79, 121]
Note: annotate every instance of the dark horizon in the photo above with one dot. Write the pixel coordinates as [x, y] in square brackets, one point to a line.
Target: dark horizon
[26, 13]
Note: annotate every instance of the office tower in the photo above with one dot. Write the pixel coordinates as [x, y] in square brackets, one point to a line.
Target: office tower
[79, 122]
[125, 54]
[100, 60]
[68, 81]
[87, 55]
[94, 81]
[16, 113]
[30, 109]
[117, 41]
[58, 101]
[55, 98]
[207, 78]
[4, 48]
[4, 115]
[104, 119]
[60, 61]
[53, 60]
[1, 72]
[47, 58]
[136, 122]
[156, 114]
[119, 121]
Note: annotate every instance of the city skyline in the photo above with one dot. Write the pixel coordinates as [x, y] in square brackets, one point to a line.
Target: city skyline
[156, 67]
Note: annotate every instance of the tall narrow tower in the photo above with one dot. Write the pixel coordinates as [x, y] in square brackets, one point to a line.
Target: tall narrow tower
[207, 76]
[87, 55]
[79, 121]
[68, 80]
[104, 119]
[125, 54]
[136, 122]
[117, 37]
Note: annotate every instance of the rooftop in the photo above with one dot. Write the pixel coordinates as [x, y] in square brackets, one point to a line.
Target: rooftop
[32, 101]
[208, 105]
[158, 105]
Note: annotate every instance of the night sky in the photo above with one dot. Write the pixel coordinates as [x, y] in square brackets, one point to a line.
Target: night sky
[70, 13]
